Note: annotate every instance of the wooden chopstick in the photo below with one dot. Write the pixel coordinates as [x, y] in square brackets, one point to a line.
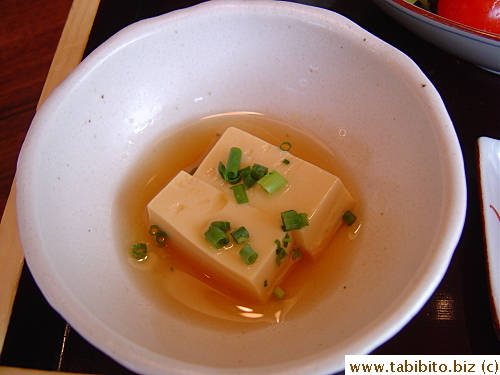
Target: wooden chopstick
[68, 55]
[72, 44]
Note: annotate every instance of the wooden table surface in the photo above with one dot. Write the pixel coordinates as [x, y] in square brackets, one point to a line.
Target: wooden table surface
[29, 33]
[456, 320]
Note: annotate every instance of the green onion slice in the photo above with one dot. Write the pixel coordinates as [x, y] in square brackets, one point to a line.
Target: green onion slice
[349, 218]
[160, 237]
[246, 175]
[153, 229]
[239, 193]
[222, 170]
[235, 180]
[245, 171]
[249, 181]
[293, 220]
[286, 161]
[240, 235]
[139, 250]
[280, 253]
[286, 146]
[272, 181]
[251, 175]
[259, 171]
[304, 221]
[279, 292]
[286, 240]
[233, 163]
[248, 254]
[222, 225]
[216, 236]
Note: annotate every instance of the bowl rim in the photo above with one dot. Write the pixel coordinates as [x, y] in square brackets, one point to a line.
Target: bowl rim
[446, 21]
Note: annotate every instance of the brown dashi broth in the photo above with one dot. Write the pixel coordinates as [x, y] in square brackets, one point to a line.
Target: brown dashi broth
[174, 282]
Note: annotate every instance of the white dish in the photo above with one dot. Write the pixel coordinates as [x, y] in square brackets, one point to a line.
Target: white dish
[489, 167]
[476, 46]
[394, 143]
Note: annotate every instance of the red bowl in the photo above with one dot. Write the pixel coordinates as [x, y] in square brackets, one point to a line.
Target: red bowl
[479, 47]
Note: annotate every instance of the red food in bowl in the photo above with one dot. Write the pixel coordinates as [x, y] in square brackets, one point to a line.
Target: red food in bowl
[481, 14]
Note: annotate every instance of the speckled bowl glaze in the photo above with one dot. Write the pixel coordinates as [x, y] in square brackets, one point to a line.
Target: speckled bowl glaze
[479, 47]
[369, 103]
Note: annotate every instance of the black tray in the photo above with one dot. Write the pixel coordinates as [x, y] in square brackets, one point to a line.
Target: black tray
[456, 320]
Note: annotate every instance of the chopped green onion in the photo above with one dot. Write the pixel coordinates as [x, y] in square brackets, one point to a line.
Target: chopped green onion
[349, 218]
[233, 163]
[245, 171]
[279, 292]
[240, 235]
[249, 181]
[246, 176]
[222, 170]
[259, 171]
[286, 240]
[248, 254]
[296, 254]
[139, 250]
[272, 181]
[252, 175]
[286, 161]
[304, 221]
[153, 229]
[235, 180]
[290, 220]
[216, 237]
[286, 146]
[280, 253]
[160, 237]
[239, 193]
[293, 220]
[222, 225]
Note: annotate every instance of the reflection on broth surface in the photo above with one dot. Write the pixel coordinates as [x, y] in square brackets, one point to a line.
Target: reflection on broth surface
[176, 283]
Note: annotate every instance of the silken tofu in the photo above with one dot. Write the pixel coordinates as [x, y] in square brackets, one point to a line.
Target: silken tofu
[186, 207]
[310, 189]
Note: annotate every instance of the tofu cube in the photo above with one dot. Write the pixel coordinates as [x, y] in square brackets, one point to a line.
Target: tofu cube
[186, 207]
[310, 189]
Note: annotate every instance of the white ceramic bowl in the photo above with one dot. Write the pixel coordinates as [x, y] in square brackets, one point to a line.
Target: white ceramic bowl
[479, 47]
[373, 108]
